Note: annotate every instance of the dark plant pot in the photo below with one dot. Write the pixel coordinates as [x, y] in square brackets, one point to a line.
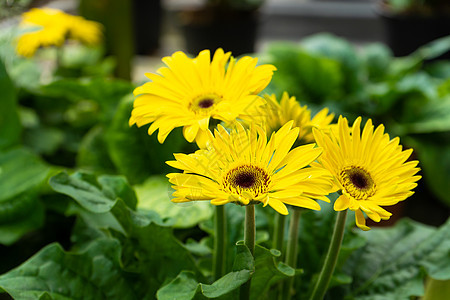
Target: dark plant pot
[405, 33]
[209, 28]
[147, 25]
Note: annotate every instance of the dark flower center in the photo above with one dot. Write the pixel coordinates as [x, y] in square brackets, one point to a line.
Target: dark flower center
[206, 103]
[359, 180]
[245, 180]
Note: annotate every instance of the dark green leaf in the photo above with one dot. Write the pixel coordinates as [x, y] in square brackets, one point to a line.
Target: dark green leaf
[390, 265]
[95, 196]
[377, 58]
[9, 118]
[52, 273]
[185, 285]
[267, 271]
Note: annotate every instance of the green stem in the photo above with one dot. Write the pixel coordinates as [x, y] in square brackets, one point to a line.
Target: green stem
[278, 233]
[249, 240]
[220, 243]
[330, 260]
[291, 253]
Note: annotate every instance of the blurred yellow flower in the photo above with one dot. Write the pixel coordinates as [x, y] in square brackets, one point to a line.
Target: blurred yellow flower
[369, 168]
[52, 27]
[241, 167]
[276, 114]
[190, 91]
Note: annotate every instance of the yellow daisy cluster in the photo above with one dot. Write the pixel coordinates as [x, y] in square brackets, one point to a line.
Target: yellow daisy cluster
[249, 162]
[52, 27]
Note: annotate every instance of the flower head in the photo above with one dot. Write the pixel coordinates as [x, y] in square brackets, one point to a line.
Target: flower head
[52, 28]
[277, 114]
[242, 167]
[369, 168]
[189, 92]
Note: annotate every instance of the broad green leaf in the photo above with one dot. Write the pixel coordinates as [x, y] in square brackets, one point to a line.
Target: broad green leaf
[267, 271]
[53, 273]
[22, 176]
[433, 116]
[390, 265]
[136, 154]
[9, 117]
[95, 195]
[186, 286]
[149, 246]
[433, 49]
[27, 219]
[155, 194]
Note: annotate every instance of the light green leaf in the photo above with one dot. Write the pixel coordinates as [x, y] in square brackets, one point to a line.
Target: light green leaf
[377, 58]
[390, 265]
[267, 271]
[155, 194]
[98, 196]
[53, 273]
[22, 176]
[9, 117]
[185, 285]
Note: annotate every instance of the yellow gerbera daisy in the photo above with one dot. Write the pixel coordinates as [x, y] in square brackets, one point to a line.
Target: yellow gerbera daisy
[277, 114]
[188, 92]
[242, 167]
[52, 28]
[369, 168]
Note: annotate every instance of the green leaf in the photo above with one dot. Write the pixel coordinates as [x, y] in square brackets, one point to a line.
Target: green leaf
[9, 117]
[433, 49]
[267, 271]
[155, 194]
[53, 273]
[149, 246]
[22, 176]
[27, 219]
[185, 285]
[95, 195]
[390, 265]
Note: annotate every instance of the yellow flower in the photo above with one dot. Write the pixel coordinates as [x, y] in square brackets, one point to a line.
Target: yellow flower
[276, 114]
[369, 168]
[242, 167]
[51, 27]
[189, 92]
